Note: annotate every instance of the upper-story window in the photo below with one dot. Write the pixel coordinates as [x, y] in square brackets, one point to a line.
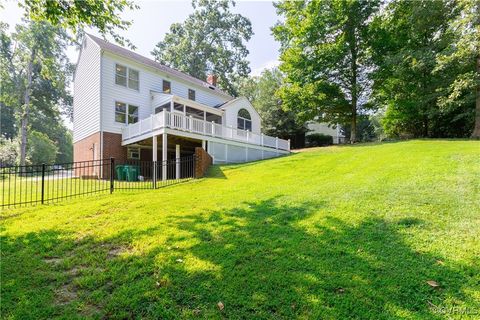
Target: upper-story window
[133, 79]
[126, 113]
[191, 94]
[167, 88]
[244, 121]
[127, 77]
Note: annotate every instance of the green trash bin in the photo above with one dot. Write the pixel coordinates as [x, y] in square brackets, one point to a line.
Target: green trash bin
[132, 172]
[120, 169]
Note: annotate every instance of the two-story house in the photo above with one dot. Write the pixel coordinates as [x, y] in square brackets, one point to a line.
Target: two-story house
[128, 106]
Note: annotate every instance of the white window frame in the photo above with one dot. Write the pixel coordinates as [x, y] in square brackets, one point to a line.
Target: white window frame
[127, 77]
[169, 86]
[244, 120]
[127, 112]
[131, 150]
[194, 94]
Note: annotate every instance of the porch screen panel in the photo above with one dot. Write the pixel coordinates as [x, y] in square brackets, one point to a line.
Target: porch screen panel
[195, 113]
[213, 117]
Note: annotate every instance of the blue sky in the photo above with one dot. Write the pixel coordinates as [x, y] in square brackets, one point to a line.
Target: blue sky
[153, 19]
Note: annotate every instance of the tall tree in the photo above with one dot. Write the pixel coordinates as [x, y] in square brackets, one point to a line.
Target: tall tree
[210, 41]
[325, 56]
[276, 121]
[460, 63]
[408, 39]
[77, 15]
[36, 72]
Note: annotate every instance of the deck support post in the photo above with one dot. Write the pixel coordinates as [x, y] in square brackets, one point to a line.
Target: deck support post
[154, 159]
[164, 156]
[177, 161]
[204, 145]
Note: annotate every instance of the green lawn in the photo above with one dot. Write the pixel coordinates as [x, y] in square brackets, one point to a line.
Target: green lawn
[336, 233]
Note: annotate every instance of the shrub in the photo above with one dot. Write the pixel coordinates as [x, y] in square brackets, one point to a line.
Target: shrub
[8, 152]
[319, 140]
[40, 149]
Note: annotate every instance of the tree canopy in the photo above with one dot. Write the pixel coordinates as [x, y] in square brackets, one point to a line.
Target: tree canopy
[276, 121]
[409, 41]
[417, 62]
[210, 41]
[35, 74]
[325, 56]
[77, 15]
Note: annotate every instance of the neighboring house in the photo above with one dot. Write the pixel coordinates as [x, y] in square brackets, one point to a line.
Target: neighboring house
[127, 106]
[323, 128]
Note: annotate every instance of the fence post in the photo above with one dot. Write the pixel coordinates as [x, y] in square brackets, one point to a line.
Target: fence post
[154, 179]
[43, 182]
[112, 174]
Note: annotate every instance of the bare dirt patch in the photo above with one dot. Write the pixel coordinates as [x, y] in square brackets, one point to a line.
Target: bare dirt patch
[65, 294]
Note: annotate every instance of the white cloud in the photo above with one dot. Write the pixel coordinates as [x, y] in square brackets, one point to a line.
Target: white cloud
[267, 65]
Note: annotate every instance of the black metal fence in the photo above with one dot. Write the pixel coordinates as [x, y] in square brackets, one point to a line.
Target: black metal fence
[27, 185]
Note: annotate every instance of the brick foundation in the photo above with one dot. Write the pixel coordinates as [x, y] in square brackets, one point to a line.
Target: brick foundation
[112, 147]
[203, 161]
[88, 149]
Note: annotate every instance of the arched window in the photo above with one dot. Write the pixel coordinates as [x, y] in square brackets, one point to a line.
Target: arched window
[244, 121]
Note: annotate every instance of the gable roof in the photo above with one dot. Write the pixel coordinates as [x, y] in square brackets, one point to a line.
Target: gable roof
[230, 103]
[113, 48]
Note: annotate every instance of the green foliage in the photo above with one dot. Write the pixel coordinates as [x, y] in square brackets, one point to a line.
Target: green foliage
[325, 56]
[40, 148]
[274, 241]
[368, 129]
[43, 46]
[8, 152]
[210, 41]
[319, 140]
[261, 92]
[424, 95]
[78, 15]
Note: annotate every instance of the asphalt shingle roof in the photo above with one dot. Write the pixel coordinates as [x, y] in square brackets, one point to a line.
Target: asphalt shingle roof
[152, 63]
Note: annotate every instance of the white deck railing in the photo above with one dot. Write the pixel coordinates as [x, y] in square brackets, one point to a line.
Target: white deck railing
[173, 120]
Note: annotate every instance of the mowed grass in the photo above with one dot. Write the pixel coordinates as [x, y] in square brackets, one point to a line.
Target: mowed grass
[335, 233]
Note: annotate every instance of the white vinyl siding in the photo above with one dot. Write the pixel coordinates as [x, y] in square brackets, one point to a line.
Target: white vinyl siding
[231, 115]
[228, 153]
[86, 99]
[149, 80]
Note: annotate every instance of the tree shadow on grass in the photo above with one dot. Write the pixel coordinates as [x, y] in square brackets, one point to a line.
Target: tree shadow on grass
[261, 260]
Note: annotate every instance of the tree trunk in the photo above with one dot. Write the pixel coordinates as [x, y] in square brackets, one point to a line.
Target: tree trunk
[476, 130]
[354, 90]
[26, 112]
[353, 130]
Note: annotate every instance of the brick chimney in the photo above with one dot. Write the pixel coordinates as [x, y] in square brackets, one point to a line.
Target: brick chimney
[212, 79]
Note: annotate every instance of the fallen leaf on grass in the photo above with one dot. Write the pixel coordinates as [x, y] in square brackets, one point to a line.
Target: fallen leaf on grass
[220, 305]
[433, 284]
[196, 311]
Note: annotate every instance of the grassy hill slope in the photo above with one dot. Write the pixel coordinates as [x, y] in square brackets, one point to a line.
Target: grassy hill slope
[335, 233]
